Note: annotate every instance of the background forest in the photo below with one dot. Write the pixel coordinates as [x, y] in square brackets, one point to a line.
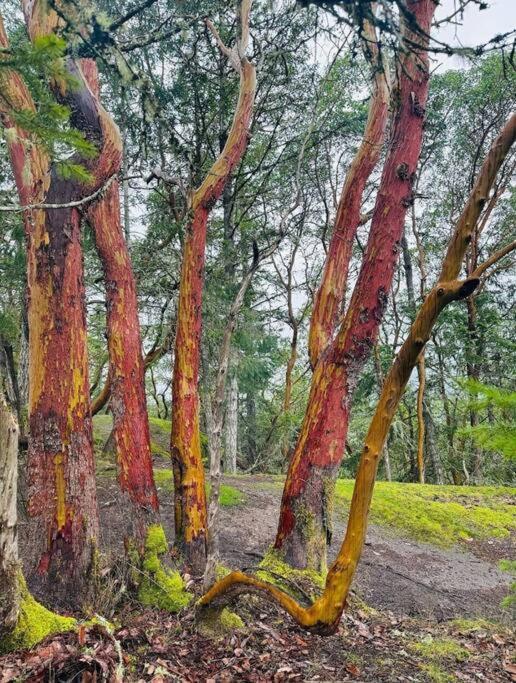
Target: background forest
[308, 121]
[255, 256]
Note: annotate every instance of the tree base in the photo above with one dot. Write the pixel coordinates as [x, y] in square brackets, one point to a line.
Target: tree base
[35, 623]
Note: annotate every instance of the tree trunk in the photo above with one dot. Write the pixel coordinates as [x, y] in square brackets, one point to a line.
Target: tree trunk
[330, 294]
[128, 403]
[9, 564]
[323, 616]
[421, 375]
[304, 527]
[126, 369]
[230, 461]
[61, 478]
[190, 512]
[430, 445]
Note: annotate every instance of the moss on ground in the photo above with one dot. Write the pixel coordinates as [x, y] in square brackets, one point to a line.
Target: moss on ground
[509, 566]
[442, 515]
[436, 674]
[217, 623]
[35, 622]
[467, 626]
[440, 650]
[229, 495]
[161, 586]
[303, 582]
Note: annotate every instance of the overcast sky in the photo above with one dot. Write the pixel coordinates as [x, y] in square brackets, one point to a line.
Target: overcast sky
[477, 26]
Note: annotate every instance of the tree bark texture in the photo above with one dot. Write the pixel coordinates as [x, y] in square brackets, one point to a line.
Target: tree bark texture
[304, 528]
[324, 614]
[128, 403]
[9, 564]
[190, 511]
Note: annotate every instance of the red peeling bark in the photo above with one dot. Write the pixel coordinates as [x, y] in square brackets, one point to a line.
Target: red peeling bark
[189, 481]
[330, 294]
[128, 403]
[304, 527]
[61, 480]
[126, 369]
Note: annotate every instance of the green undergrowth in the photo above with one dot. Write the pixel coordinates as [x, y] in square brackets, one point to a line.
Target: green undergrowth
[159, 434]
[442, 515]
[509, 566]
[436, 653]
[229, 495]
[35, 622]
[467, 626]
[161, 586]
[303, 583]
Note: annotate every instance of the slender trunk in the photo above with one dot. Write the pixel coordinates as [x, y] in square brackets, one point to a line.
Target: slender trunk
[23, 370]
[126, 370]
[330, 295]
[430, 445]
[190, 512]
[304, 527]
[215, 416]
[125, 190]
[473, 355]
[421, 375]
[380, 380]
[9, 565]
[12, 389]
[230, 461]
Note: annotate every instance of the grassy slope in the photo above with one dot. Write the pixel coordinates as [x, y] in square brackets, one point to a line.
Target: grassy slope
[442, 515]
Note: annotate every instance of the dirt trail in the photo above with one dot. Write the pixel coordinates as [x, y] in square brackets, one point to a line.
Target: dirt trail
[404, 576]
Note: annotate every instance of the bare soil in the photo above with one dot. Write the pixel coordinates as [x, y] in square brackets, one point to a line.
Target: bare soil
[397, 574]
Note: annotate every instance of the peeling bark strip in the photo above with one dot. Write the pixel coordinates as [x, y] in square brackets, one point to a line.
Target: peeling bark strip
[126, 366]
[128, 402]
[304, 527]
[61, 483]
[324, 614]
[329, 296]
[9, 565]
[189, 485]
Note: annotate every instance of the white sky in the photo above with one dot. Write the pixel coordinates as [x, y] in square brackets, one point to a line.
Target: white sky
[477, 26]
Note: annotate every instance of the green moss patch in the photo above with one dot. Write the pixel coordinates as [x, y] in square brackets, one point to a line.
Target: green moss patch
[35, 622]
[161, 586]
[440, 649]
[442, 515]
[301, 582]
[217, 623]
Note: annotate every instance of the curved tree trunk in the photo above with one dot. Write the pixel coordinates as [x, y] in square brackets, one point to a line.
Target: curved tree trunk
[190, 510]
[304, 528]
[324, 614]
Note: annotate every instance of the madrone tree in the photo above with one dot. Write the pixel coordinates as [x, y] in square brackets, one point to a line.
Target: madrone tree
[324, 614]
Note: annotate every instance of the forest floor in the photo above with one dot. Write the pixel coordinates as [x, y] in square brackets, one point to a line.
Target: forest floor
[420, 611]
